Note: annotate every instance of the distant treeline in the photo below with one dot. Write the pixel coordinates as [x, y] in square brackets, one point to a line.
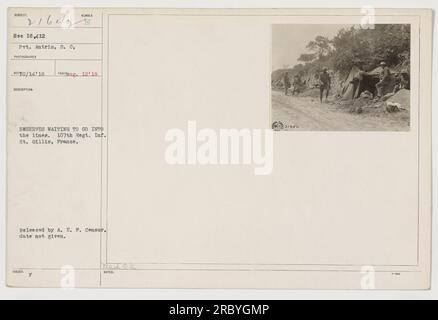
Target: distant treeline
[354, 46]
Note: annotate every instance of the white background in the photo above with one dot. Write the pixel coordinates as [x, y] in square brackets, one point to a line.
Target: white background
[9, 293]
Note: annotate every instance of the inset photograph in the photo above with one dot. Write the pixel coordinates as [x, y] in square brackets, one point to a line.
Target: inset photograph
[340, 77]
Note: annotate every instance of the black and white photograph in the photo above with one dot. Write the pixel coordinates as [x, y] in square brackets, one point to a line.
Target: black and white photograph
[329, 77]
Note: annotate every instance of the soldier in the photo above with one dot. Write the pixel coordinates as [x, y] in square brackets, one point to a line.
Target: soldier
[324, 83]
[385, 78]
[296, 83]
[286, 83]
[402, 81]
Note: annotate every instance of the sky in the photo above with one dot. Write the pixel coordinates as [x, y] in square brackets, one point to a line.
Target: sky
[289, 40]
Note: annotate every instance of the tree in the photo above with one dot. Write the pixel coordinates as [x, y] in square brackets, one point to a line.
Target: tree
[354, 46]
[307, 57]
[366, 48]
[321, 46]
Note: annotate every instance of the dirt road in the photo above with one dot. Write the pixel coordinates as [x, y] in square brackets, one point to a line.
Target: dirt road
[307, 113]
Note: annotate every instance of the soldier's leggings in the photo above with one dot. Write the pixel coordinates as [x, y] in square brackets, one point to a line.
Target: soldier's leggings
[321, 91]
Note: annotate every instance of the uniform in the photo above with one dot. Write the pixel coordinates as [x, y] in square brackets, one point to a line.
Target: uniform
[324, 84]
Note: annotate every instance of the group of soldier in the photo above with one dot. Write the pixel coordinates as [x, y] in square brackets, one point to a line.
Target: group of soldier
[324, 82]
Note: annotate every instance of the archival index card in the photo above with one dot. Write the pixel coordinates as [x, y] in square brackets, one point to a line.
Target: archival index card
[223, 148]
